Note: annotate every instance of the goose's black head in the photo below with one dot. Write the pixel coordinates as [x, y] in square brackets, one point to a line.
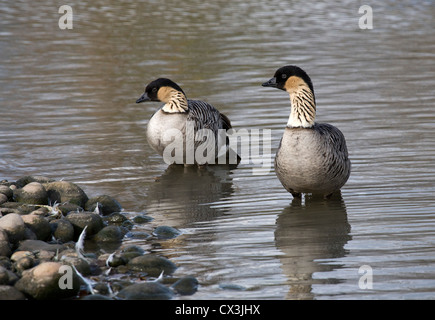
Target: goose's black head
[158, 90]
[288, 77]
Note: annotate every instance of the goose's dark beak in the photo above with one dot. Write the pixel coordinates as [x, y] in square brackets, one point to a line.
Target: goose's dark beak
[271, 83]
[143, 98]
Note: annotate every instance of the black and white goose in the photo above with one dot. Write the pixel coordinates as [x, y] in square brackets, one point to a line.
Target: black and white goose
[312, 157]
[186, 117]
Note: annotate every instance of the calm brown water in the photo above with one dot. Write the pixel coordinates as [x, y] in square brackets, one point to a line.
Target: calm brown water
[67, 111]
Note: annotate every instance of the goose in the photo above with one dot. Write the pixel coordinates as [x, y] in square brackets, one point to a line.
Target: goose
[312, 157]
[183, 120]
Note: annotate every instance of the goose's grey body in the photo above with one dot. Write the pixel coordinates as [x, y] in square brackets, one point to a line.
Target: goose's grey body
[183, 130]
[312, 160]
[312, 157]
[200, 115]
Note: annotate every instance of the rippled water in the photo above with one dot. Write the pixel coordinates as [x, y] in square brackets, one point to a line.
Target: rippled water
[67, 111]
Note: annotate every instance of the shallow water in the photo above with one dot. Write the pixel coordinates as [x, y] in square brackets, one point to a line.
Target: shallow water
[67, 111]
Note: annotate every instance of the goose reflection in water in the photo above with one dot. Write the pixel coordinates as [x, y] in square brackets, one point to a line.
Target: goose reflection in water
[182, 194]
[307, 233]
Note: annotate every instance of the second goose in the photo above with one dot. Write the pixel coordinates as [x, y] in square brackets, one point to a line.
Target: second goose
[175, 130]
[312, 157]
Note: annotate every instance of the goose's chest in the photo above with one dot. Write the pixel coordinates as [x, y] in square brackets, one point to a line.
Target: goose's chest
[162, 126]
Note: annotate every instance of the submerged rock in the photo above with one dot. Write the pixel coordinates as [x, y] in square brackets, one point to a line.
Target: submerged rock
[142, 218]
[186, 286]
[146, 291]
[166, 232]
[152, 264]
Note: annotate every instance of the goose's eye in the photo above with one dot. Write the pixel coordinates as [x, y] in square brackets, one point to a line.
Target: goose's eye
[154, 89]
[284, 76]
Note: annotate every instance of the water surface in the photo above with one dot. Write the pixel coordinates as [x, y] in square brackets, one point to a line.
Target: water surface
[67, 111]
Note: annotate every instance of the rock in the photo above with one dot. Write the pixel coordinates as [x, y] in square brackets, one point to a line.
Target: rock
[66, 208]
[32, 193]
[3, 198]
[166, 232]
[146, 291]
[82, 219]
[5, 190]
[80, 264]
[5, 248]
[7, 277]
[186, 286]
[109, 234]
[20, 183]
[37, 245]
[39, 225]
[139, 235]
[106, 205]
[115, 218]
[142, 218]
[63, 191]
[18, 254]
[10, 293]
[4, 276]
[14, 226]
[29, 234]
[62, 230]
[44, 255]
[40, 212]
[131, 252]
[17, 207]
[24, 263]
[116, 261]
[46, 281]
[152, 264]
